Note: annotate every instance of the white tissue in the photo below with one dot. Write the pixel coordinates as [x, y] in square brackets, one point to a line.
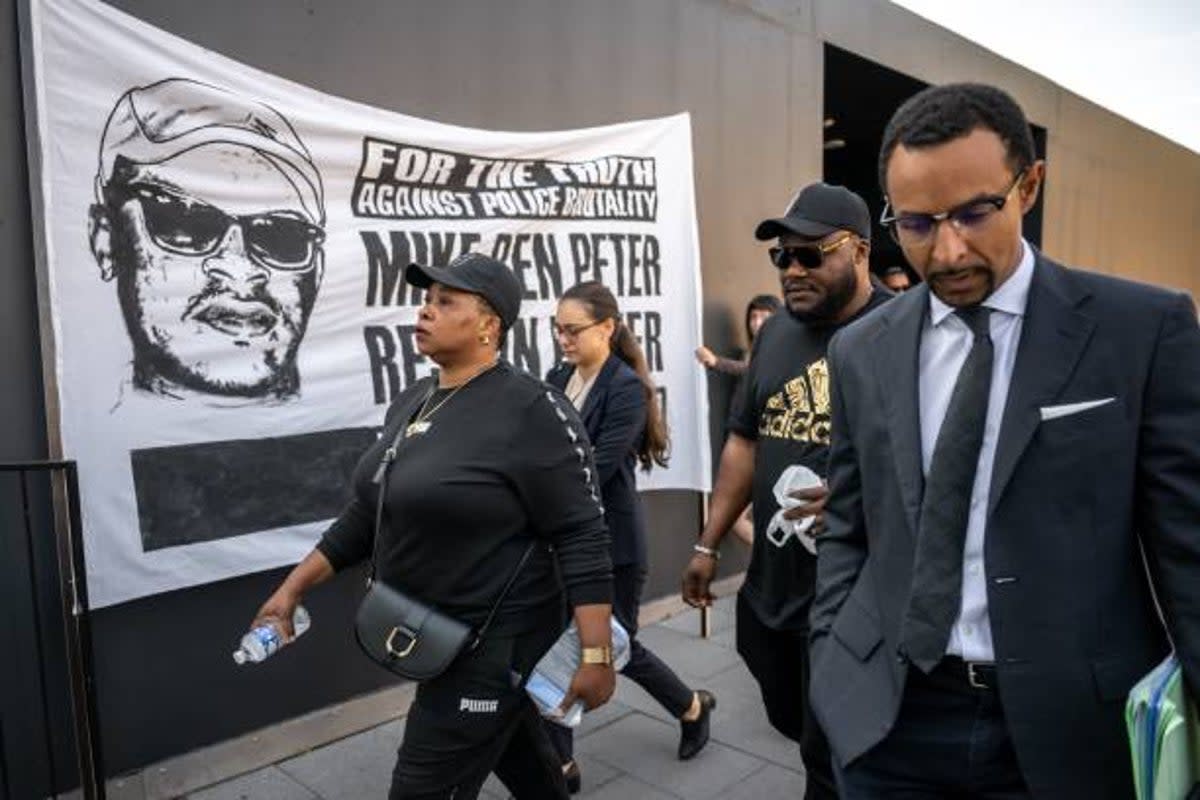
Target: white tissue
[795, 477]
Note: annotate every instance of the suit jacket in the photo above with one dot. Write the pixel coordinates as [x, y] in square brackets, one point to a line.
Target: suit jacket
[614, 414]
[1075, 502]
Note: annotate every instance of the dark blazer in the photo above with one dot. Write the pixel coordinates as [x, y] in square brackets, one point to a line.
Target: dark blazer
[614, 414]
[1075, 501]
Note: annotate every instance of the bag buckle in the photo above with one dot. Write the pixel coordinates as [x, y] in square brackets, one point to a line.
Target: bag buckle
[403, 631]
[974, 678]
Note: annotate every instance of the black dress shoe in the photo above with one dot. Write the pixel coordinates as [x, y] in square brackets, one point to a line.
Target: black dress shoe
[694, 735]
[573, 778]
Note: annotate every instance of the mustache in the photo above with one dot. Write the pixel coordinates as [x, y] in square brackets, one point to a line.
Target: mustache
[952, 272]
[214, 289]
[798, 284]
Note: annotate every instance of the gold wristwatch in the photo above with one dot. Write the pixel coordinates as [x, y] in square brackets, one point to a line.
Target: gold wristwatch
[596, 655]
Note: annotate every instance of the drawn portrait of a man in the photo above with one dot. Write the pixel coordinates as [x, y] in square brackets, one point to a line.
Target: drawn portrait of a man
[209, 217]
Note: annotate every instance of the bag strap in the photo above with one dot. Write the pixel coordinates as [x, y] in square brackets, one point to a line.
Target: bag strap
[487, 623]
[380, 481]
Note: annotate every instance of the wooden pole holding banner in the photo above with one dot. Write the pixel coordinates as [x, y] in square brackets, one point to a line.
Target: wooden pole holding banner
[705, 611]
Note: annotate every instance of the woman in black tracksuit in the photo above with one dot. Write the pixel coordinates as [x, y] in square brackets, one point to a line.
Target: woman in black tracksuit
[488, 463]
[607, 379]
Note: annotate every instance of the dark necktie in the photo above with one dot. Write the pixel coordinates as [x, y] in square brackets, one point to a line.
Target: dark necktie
[937, 569]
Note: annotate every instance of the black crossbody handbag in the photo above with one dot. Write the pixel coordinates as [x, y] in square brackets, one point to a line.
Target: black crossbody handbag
[402, 634]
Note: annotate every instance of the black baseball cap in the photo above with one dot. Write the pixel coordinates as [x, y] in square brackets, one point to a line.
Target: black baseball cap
[819, 210]
[476, 273]
[156, 123]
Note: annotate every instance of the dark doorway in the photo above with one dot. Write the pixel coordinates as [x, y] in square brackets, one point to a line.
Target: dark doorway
[860, 97]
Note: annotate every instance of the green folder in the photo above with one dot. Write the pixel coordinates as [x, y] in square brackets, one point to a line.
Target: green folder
[1164, 734]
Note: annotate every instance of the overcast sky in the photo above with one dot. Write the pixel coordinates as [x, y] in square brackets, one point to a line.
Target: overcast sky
[1140, 60]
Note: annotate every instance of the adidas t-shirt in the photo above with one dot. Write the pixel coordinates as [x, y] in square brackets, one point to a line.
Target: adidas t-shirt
[783, 405]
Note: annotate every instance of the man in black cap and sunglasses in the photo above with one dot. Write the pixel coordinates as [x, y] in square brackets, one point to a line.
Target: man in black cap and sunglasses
[780, 418]
[209, 216]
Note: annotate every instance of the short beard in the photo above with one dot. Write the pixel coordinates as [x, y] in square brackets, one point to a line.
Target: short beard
[837, 297]
[990, 286]
[157, 369]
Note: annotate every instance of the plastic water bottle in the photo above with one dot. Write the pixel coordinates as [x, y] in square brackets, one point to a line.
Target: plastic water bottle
[551, 678]
[264, 641]
[548, 697]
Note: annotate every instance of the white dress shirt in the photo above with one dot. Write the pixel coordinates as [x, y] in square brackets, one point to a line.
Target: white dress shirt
[945, 342]
[577, 389]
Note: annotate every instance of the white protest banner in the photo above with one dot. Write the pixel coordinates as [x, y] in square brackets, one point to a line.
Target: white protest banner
[225, 253]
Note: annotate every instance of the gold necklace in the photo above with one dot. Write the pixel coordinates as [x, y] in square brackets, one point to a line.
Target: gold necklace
[422, 424]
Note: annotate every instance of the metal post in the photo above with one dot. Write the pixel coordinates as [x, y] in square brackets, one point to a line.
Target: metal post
[39, 647]
[79, 643]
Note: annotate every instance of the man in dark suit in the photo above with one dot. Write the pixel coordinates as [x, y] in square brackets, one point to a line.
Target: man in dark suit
[1009, 439]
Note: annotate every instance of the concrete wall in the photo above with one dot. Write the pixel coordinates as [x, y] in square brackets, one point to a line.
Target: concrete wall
[749, 71]
[22, 435]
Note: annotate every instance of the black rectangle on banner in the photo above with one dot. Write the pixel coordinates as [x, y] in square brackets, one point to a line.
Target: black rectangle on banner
[194, 493]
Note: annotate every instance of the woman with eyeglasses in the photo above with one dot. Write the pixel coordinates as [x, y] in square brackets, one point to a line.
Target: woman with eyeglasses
[466, 507]
[606, 377]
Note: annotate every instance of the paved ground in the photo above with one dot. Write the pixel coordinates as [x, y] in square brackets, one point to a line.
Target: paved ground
[626, 749]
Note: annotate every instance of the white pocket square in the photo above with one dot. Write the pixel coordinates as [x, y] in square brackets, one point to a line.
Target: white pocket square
[1054, 412]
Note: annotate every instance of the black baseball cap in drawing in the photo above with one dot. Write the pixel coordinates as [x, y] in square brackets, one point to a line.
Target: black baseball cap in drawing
[155, 123]
[818, 210]
[476, 273]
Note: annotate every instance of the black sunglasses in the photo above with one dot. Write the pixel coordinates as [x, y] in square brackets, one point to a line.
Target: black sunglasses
[809, 256]
[187, 226]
